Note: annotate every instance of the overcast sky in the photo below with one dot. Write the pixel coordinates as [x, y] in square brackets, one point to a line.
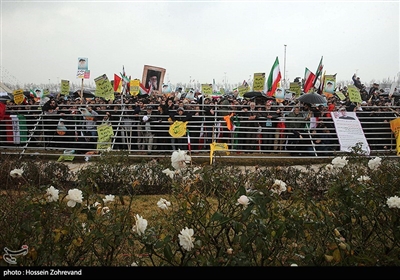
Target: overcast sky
[227, 41]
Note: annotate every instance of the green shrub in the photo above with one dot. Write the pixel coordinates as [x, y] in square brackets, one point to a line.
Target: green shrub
[344, 213]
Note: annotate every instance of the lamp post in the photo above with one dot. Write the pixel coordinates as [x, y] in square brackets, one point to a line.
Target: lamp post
[225, 80]
[284, 69]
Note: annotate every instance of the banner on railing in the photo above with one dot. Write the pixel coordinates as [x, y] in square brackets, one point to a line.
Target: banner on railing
[349, 131]
[218, 147]
[395, 127]
[105, 133]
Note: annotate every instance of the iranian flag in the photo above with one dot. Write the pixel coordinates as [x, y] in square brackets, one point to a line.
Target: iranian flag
[319, 71]
[143, 90]
[273, 78]
[125, 80]
[308, 80]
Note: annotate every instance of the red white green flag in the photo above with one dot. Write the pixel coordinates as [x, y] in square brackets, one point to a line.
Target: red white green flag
[308, 80]
[319, 71]
[143, 90]
[273, 78]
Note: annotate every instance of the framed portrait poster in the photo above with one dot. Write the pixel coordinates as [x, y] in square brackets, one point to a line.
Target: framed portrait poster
[153, 76]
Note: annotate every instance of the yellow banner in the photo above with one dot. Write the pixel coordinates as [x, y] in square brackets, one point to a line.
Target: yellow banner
[105, 133]
[395, 127]
[104, 88]
[65, 87]
[259, 81]
[206, 89]
[134, 87]
[177, 129]
[242, 90]
[19, 96]
[218, 147]
[354, 94]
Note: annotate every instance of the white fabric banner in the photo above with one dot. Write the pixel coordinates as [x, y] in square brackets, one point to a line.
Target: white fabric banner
[349, 131]
[16, 131]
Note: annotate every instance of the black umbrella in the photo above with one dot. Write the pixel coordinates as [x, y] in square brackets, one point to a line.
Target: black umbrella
[4, 97]
[256, 94]
[86, 94]
[312, 98]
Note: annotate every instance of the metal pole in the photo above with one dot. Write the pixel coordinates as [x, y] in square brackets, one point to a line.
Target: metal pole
[81, 94]
[284, 69]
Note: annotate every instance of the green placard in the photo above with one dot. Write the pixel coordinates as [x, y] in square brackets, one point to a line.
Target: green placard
[64, 87]
[354, 94]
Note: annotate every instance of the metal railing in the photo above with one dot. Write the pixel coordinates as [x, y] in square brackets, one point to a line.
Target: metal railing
[29, 131]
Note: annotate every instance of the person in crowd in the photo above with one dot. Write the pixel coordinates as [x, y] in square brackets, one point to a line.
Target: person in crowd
[295, 122]
[51, 117]
[129, 123]
[210, 115]
[183, 116]
[269, 118]
[195, 126]
[148, 122]
[357, 81]
[163, 139]
[322, 140]
[250, 124]
[90, 127]
[372, 90]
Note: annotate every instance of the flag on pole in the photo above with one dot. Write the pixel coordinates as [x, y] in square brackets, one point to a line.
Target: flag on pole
[321, 84]
[188, 140]
[33, 94]
[143, 90]
[229, 123]
[237, 127]
[319, 71]
[117, 83]
[214, 86]
[273, 78]
[308, 80]
[125, 80]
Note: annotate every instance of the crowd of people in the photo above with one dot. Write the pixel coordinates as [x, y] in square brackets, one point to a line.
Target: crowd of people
[141, 123]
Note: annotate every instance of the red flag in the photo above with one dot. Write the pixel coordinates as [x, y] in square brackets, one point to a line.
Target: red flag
[308, 80]
[117, 82]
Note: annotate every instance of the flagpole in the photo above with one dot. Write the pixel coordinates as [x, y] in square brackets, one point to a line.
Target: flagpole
[189, 145]
[82, 92]
[284, 69]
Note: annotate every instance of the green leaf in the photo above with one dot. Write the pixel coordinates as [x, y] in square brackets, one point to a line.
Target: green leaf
[168, 252]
